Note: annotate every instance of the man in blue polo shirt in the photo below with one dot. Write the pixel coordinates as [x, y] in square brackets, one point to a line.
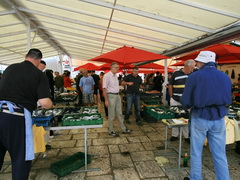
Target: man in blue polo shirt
[207, 92]
[87, 85]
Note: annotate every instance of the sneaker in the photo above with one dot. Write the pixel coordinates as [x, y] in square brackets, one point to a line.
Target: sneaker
[139, 123]
[173, 138]
[127, 131]
[127, 122]
[48, 147]
[186, 178]
[113, 134]
[187, 140]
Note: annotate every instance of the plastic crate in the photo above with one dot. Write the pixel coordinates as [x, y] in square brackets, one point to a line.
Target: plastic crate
[167, 115]
[152, 102]
[72, 110]
[41, 113]
[89, 107]
[152, 105]
[65, 98]
[42, 121]
[78, 122]
[180, 112]
[69, 164]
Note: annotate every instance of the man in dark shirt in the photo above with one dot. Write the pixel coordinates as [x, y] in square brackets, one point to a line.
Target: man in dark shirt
[49, 74]
[58, 82]
[96, 86]
[80, 95]
[133, 82]
[22, 85]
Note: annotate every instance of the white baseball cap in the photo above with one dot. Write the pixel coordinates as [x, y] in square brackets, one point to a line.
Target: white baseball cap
[206, 57]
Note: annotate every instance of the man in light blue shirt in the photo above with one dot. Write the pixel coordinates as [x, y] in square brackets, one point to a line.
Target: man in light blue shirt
[87, 86]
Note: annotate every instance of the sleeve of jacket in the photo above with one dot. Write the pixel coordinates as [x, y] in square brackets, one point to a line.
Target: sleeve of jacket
[188, 93]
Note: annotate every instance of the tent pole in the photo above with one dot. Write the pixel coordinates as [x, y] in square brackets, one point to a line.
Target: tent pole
[164, 89]
[60, 56]
[28, 29]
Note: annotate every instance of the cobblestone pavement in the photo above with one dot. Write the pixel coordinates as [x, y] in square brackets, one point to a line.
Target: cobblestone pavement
[127, 157]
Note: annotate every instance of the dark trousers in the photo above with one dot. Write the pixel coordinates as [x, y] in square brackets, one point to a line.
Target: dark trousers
[80, 98]
[133, 99]
[105, 107]
[12, 139]
[101, 95]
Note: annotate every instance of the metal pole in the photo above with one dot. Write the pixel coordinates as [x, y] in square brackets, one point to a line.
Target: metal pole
[165, 83]
[28, 28]
[166, 137]
[61, 61]
[180, 149]
[85, 147]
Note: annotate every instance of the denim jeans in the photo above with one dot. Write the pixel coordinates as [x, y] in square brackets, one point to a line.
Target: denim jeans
[215, 131]
[133, 99]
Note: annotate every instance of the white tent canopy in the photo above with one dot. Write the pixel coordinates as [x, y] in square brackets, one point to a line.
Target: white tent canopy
[83, 29]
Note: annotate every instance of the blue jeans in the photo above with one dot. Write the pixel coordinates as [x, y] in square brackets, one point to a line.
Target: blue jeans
[215, 131]
[133, 99]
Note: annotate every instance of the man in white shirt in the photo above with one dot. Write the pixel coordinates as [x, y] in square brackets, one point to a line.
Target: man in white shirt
[113, 100]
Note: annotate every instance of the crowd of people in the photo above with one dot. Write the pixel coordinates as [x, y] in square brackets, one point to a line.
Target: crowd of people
[205, 93]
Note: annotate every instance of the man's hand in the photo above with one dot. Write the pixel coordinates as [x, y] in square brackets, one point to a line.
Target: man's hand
[130, 83]
[106, 103]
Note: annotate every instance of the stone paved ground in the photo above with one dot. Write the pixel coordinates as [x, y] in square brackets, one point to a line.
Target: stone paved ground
[127, 157]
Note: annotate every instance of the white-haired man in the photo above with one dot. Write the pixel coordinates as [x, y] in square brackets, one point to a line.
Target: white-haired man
[176, 87]
[113, 99]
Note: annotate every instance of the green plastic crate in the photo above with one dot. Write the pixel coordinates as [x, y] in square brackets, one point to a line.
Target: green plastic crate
[168, 115]
[152, 102]
[89, 107]
[69, 164]
[66, 122]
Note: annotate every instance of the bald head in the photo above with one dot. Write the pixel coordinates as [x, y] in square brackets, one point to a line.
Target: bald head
[189, 66]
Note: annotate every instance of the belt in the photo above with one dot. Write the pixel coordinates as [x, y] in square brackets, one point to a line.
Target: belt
[113, 93]
[17, 110]
[133, 93]
[14, 113]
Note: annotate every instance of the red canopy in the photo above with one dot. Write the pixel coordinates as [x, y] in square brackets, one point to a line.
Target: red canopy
[107, 66]
[128, 55]
[144, 70]
[152, 66]
[223, 52]
[229, 62]
[181, 63]
[88, 66]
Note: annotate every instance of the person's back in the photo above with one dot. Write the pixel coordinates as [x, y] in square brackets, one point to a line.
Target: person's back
[22, 86]
[23, 77]
[207, 92]
[96, 79]
[158, 81]
[212, 92]
[216, 85]
[67, 81]
[59, 81]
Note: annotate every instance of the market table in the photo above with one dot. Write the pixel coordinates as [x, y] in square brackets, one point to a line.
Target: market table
[171, 125]
[85, 127]
[168, 124]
